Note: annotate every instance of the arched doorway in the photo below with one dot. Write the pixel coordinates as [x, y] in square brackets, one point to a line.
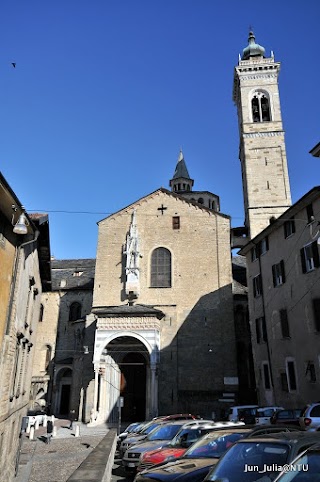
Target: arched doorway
[133, 387]
[123, 371]
[64, 380]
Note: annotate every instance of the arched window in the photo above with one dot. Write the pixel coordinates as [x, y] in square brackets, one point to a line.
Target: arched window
[75, 311]
[161, 268]
[260, 107]
[200, 200]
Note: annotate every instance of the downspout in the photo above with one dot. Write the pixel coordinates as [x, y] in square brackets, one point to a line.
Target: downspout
[14, 277]
[267, 340]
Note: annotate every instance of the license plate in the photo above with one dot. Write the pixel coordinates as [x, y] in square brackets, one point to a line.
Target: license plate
[131, 464]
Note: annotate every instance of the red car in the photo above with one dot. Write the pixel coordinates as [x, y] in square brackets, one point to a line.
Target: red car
[188, 434]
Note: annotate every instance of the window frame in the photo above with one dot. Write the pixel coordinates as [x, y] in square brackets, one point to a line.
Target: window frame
[291, 372]
[266, 379]
[257, 285]
[278, 274]
[289, 227]
[284, 323]
[156, 266]
[310, 263]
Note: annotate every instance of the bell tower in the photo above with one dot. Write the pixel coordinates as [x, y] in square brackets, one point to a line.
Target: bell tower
[262, 151]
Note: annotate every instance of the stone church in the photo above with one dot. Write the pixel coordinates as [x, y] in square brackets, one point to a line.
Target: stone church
[158, 322]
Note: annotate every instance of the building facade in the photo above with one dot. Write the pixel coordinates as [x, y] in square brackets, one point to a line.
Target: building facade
[25, 274]
[283, 278]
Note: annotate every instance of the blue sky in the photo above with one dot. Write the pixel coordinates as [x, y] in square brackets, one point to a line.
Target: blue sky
[105, 92]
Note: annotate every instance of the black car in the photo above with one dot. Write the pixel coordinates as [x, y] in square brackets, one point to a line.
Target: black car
[261, 458]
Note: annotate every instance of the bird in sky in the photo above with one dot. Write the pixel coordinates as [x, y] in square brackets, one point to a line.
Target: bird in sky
[13, 64]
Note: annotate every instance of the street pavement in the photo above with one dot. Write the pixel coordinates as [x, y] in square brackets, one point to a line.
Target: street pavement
[56, 462]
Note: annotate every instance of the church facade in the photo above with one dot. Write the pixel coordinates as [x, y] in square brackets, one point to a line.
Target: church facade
[163, 304]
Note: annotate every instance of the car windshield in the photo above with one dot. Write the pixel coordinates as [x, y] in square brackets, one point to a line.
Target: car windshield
[305, 469]
[149, 428]
[249, 462]
[164, 432]
[214, 445]
[187, 436]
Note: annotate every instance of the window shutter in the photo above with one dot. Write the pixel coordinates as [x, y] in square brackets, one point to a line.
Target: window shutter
[267, 243]
[274, 275]
[303, 260]
[315, 253]
[316, 313]
[282, 271]
[293, 225]
[260, 284]
[264, 329]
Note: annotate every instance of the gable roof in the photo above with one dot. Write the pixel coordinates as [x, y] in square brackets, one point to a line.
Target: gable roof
[168, 193]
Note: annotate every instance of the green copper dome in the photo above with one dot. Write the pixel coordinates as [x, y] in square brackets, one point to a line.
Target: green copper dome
[253, 49]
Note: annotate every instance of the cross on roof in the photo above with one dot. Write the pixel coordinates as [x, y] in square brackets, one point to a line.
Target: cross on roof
[162, 208]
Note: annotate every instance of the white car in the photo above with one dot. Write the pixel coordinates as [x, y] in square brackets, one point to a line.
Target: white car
[264, 414]
[35, 416]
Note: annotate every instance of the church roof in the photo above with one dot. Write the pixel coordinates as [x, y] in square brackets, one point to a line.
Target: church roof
[168, 193]
[128, 310]
[181, 168]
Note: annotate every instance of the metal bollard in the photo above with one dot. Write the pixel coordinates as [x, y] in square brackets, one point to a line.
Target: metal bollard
[37, 424]
[54, 432]
[77, 434]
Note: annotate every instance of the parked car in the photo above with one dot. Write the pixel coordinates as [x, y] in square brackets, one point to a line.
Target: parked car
[305, 467]
[189, 433]
[134, 438]
[132, 428]
[177, 416]
[310, 417]
[201, 456]
[233, 415]
[158, 438]
[286, 416]
[259, 458]
[264, 414]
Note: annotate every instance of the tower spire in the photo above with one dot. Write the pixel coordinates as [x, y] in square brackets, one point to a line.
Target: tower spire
[181, 180]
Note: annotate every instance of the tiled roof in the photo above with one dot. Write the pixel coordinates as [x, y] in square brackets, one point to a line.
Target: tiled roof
[72, 274]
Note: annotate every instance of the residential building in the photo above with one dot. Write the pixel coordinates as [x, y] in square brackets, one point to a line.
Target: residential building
[283, 278]
[25, 274]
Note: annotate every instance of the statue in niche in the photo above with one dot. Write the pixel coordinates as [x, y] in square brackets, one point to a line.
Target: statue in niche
[132, 259]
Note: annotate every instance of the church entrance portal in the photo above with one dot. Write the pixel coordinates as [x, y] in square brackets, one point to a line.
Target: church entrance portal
[133, 387]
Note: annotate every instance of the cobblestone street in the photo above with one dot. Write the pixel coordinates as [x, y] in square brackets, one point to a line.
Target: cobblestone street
[56, 462]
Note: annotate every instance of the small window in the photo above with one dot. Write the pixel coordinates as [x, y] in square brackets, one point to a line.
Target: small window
[266, 376]
[261, 329]
[176, 222]
[278, 274]
[78, 273]
[284, 323]
[309, 257]
[254, 253]
[316, 313]
[311, 372]
[257, 285]
[75, 311]
[310, 214]
[41, 312]
[264, 245]
[291, 375]
[200, 200]
[289, 228]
